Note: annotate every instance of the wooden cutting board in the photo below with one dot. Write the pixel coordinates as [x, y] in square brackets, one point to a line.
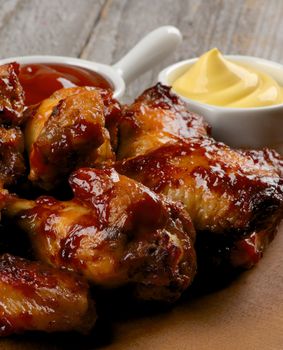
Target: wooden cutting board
[245, 315]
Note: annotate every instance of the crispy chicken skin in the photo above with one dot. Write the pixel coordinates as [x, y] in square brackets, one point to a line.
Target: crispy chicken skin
[157, 117]
[12, 165]
[11, 95]
[115, 231]
[69, 129]
[247, 252]
[39, 298]
[229, 193]
[267, 159]
[223, 191]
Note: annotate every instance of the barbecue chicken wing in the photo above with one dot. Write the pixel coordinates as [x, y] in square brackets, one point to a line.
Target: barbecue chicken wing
[115, 231]
[223, 191]
[68, 130]
[36, 297]
[235, 194]
[157, 117]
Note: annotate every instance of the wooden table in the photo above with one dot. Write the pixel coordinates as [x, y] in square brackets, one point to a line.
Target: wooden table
[105, 30]
[247, 315]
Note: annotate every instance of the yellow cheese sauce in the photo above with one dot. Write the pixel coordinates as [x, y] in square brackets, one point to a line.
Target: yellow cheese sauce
[215, 80]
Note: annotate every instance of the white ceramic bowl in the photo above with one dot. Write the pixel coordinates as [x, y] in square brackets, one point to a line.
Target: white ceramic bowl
[238, 127]
[154, 47]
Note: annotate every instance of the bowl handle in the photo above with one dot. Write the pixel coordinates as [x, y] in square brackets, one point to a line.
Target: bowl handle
[153, 48]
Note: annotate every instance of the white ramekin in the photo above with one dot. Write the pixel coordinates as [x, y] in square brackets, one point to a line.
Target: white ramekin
[238, 127]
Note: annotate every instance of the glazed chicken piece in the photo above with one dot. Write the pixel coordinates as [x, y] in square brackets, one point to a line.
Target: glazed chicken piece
[12, 164]
[223, 191]
[115, 231]
[155, 118]
[227, 193]
[247, 252]
[266, 158]
[68, 130]
[39, 298]
[11, 95]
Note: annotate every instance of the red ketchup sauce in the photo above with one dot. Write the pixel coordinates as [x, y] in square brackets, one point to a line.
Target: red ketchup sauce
[39, 81]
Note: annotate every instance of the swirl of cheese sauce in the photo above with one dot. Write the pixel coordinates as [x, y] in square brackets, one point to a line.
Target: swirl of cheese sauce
[218, 81]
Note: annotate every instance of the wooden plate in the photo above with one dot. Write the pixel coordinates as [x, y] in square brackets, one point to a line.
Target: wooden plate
[246, 315]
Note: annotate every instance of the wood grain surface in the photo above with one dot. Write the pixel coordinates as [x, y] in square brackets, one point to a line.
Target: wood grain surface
[248, 314]
[104, 30]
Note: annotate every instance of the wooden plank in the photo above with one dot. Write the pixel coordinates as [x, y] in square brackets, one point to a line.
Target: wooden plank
[129, 22]
[7, 10]
[251, 27]
[47, 27]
